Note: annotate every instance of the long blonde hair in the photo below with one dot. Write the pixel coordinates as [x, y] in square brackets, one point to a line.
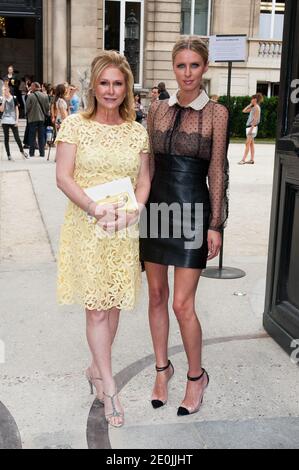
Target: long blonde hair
[99, 64]
[191, 43]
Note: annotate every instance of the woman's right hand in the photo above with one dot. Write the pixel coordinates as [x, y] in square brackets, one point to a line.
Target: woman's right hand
[105, 213]
[123, 220]
[214, 244]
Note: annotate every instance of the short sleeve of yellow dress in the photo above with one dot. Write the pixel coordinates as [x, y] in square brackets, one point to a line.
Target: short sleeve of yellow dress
[97, 270]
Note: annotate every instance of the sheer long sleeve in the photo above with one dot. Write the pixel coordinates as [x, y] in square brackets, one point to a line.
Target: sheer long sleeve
[150, 128]
[219, 168]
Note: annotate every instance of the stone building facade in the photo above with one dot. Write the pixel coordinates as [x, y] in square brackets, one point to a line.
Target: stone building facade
[73, 32]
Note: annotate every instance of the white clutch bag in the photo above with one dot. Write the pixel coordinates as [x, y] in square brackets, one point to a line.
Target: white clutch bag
[116, 191]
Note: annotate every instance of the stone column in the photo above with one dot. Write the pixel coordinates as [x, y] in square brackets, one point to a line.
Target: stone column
[59, 41]
[162, 29]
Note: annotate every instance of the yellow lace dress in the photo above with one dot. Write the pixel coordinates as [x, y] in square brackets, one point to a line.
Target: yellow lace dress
[96, 270]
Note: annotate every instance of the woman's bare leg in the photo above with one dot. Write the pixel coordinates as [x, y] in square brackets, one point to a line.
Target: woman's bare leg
[113, 322]
[252, 150]
[99, 340]
[185, 285]
[247, 148]
[157, 277]
[113, 325]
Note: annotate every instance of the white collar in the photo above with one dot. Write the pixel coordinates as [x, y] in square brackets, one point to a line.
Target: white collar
[199, 103]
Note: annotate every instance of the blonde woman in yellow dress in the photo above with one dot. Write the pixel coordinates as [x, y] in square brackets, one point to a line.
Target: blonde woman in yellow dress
[100, 270]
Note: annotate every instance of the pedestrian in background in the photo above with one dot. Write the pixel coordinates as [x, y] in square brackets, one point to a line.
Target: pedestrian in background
[28, 83]
[52, 105]
[253, 121]
[67, 95]
[12, 79]
[215, 98]
[61, 106]
[163, 93]
[9, 107]
[154, 94]
[138, 108]
[74, 100]
[38, 110]
[23, 91]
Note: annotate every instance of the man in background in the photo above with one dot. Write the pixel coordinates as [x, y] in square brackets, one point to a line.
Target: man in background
[163, 93]
[37, 106]
[154, 94]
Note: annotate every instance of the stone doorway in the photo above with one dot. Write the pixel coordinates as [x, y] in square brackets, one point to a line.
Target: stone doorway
[18, 46]
[21, 38]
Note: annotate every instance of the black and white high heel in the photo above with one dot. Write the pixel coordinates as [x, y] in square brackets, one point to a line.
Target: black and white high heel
[159, 403]
[183, 411]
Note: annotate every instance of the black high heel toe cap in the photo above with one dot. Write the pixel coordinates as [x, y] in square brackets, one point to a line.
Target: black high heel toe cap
[157, 404]
[182, 411]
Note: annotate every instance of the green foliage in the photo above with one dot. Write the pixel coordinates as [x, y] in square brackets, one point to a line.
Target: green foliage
[267, 126]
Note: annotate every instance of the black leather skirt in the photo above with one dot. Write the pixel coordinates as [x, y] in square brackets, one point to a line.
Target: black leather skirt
[174, 227]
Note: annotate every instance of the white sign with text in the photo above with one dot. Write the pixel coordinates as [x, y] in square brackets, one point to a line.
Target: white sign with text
[228, 48]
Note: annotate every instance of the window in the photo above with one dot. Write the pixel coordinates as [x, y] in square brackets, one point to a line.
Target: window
[195, 17]
[123, 32]
[272, 19]
[263, 88]
[268, 89]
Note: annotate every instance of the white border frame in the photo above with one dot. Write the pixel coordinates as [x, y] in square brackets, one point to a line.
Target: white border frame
[122, 32]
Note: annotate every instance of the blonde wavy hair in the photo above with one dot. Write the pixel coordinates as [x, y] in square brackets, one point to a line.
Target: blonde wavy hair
[99, 64]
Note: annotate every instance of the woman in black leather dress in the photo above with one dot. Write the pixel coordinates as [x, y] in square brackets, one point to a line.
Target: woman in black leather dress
[188, 135]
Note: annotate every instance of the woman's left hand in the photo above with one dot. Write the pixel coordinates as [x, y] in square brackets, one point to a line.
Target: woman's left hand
[214, 244]
[122, 220]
